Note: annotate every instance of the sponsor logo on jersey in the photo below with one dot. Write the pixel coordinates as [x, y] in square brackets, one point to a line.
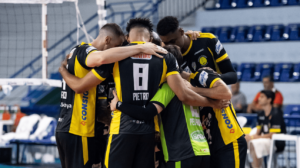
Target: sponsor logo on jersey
[219, 47]
[83, 123]
[203, 60]
[89, 49]
[84, 106]
[227, 121]
[142, 56]
[198, 51]
[68, 106]
[198, 135]
[203, 78]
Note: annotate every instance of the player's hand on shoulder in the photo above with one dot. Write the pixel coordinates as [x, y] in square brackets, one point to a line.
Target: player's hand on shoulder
[153, 49]
[193, 34]
[220, 104]
[208, 69]
[63, 64]
[114, 101]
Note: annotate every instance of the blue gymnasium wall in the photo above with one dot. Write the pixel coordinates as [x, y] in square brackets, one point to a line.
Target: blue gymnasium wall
[255, 51]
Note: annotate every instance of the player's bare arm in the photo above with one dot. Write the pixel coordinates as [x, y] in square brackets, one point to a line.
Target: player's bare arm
[188, 96]
[112, 55]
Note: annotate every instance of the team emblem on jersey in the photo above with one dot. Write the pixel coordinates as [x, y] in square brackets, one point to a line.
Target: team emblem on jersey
[198, 136]
[203, 78]
[203, 60]
[89, 49]
[219, 47]
[194, 66]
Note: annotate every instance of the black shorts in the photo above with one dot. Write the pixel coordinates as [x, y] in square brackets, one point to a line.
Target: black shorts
[232, 155]
[193, 162]
[76, 151]
[130, 151]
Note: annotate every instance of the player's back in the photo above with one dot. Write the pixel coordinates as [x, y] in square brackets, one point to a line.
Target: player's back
[137, 79]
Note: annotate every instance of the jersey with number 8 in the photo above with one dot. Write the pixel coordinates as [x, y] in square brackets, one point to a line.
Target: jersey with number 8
[137, 79]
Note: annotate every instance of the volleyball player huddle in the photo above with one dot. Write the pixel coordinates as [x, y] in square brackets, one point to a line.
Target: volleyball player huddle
[121, 92]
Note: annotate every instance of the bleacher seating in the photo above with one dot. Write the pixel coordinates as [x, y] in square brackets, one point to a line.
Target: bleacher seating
[231, 4]
[282, 72]
[255, 33]
[292, 109]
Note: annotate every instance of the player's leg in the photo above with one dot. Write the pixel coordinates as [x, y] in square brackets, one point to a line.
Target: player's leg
[193, 162]
[144, 153]
[232, 155]
[120, 150]
[60, 148]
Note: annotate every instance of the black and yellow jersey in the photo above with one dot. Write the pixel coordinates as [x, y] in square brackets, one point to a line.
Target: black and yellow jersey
[206, 51]
[220, 125]
[137, 79]
[273, 123]
[78, 111]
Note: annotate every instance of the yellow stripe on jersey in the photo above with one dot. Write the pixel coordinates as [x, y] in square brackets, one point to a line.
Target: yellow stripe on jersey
[139, 42]
[83, 115]
[178, 164]
[188, 50]
[116, 115]
[213, 82]
[207, 35]
[236, 153]
[85, 150]
[107, 151]
[216, 65]
[172, 73]
[102, 98]
[164, 72]
[228, 125]
[97, 75]
[156, 124]
[192, 76]
[275, 130]
[222, 58]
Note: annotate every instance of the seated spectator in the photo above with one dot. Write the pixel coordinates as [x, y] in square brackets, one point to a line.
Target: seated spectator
[268, 85]
[269, 121]
[238, 99]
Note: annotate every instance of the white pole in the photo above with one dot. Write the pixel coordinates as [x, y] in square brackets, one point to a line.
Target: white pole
[44, 41]
[101, 13]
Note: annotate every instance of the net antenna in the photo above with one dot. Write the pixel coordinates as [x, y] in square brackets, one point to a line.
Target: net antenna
[44, 41]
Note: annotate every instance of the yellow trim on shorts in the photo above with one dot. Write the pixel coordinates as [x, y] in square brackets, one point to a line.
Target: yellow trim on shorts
[172, 73]
[213, 82]
[102, 98]
[236, 154]
[97, 75]
[107, 151]
[85, 150]
[188, 50]
[275, 130]
[222, 58]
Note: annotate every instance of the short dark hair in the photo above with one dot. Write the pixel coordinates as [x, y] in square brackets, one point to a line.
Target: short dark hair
[175, 50]
[114, 28]
[139, 22]
[167, 25]
[269, 94]
[270, 77]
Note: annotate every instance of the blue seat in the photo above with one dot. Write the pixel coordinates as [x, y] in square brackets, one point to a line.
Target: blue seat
[283, 72]
[239, 3]
[296, 73]
[272, 2]
[224, 34]
[223, 4]
[246, 71]
[262, 70]
[239, 34]
[274, 33]
[255, 3]
[256, 33]
[292, 109]
[290, 2]
[292, 32]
